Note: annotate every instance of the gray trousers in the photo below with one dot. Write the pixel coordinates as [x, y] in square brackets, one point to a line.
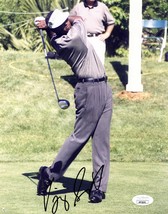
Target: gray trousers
[93, 103]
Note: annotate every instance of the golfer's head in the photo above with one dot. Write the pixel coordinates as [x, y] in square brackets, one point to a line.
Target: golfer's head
[58, 21]
[90, 2]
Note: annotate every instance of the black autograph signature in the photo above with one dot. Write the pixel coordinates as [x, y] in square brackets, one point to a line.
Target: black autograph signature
[76, 189]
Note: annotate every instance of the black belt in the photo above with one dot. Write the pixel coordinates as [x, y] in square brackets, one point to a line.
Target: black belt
[90, 79]
[93, 34]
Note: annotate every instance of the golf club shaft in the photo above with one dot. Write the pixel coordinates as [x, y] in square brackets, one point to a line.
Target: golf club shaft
[49, 67]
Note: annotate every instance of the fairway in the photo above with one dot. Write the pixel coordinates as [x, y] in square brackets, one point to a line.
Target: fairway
[33, 128]
[18, 189]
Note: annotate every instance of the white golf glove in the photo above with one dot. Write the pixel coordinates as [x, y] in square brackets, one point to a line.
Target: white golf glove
[38, 19]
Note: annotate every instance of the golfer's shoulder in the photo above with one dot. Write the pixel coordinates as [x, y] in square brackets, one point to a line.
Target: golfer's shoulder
[78, 20]
[102, 5]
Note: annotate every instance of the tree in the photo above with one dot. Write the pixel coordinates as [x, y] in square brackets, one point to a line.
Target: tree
[155, 9]
[152, 9]
[21, 33]
[10, 21]
[119, 36]
[17, 28]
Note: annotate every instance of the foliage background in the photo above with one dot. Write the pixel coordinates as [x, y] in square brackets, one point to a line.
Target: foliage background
[17, 30]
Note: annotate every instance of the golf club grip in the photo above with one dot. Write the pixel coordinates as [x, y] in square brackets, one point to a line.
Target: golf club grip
[44, 46]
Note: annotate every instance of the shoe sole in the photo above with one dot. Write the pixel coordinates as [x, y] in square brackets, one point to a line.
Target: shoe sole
[43, 193]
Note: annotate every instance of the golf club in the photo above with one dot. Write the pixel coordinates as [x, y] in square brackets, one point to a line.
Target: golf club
[63, 103]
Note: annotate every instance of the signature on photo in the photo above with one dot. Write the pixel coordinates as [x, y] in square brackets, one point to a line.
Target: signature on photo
[78, 190]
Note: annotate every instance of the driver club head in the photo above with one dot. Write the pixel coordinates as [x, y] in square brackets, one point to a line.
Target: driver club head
[63, 104]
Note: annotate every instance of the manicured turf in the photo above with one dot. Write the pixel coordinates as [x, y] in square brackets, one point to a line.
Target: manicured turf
[18, 189]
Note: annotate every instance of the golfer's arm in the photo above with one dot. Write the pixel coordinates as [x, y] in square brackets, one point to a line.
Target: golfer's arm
[73, 18]
[109, 30]
[50, 34]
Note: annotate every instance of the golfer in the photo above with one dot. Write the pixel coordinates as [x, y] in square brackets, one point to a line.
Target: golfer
[93, 102]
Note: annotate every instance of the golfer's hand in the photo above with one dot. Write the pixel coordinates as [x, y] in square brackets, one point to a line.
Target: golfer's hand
[52, 55]
[103, 36]
[41, 24]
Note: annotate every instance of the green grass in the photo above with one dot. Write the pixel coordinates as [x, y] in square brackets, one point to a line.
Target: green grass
[18, 189]
[33, 128]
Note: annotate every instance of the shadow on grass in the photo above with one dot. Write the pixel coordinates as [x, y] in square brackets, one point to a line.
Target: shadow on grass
[121, 71]
[68, 183]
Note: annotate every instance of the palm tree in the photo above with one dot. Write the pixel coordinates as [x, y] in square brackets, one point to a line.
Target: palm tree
[24, 35]
[41, 7]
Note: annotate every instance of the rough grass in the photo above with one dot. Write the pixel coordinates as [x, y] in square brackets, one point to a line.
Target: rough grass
[33, 127]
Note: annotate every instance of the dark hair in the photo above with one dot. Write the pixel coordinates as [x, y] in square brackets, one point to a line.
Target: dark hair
[60, 30]
[48, 17]
[94, 4]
